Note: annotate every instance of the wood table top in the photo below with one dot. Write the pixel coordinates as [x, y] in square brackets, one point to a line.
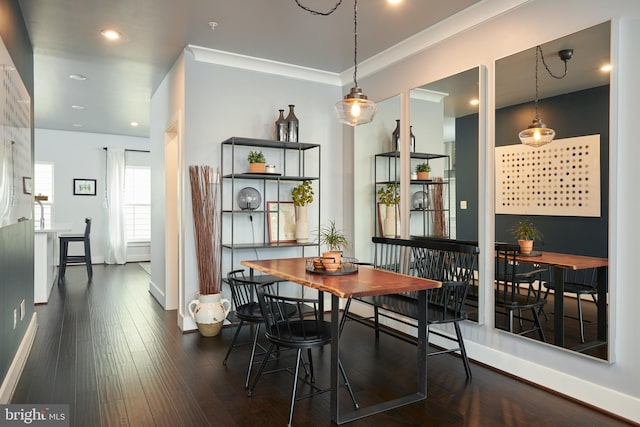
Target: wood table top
[568, 261]
[367, 281]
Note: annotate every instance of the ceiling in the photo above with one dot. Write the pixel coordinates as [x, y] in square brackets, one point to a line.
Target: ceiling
[122, 75]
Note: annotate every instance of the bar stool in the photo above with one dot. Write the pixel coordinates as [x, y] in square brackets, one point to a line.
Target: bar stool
[65, 258]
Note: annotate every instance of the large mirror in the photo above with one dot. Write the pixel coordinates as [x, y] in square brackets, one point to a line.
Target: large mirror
[444, 127]
[561, 188]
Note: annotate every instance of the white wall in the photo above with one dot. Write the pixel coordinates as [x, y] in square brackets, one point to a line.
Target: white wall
[81, 155]
[613, 387]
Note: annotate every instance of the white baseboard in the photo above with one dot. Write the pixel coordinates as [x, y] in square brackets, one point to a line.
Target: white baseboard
[157, 293]
[17, 365]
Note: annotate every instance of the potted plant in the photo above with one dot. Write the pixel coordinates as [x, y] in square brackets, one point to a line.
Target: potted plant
[302, 195]
[390, 196]
[423, 170]
[256, 162]
[336, 242]
[209, 310]
[525, 232]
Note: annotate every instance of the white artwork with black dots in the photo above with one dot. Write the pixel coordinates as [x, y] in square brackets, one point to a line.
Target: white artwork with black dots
[561, 178]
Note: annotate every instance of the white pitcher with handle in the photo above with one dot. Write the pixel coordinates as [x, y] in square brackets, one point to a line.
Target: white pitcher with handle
[209, 312]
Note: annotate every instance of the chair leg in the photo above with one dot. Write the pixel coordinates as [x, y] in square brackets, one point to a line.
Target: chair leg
[87, 259]
[345, 313]
[346, 382]
[233, 342]
[253, 354]
[295, 386]
[63, 261]
[463, 351]
[259, 373]
[313, 377]
[376, 321]
[536, 320]
[580, 319]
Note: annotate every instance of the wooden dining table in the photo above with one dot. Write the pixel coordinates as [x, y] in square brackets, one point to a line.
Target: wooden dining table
[366, 281]
[560, 262]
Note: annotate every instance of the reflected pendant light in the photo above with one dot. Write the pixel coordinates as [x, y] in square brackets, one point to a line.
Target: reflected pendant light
[537, 134]
[355, 109]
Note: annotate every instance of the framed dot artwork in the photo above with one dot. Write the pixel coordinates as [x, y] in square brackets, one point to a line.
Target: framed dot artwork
[561, 178]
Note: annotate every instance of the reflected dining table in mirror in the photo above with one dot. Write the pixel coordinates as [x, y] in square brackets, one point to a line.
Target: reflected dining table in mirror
[560, 262]
[367, 281]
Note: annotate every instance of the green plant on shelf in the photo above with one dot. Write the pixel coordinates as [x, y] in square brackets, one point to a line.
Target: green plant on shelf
[389, 195]
[423, 167]
[302, 194]
[256, 157]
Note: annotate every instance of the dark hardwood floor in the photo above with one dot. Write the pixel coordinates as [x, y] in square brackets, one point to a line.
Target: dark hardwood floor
[111, 352]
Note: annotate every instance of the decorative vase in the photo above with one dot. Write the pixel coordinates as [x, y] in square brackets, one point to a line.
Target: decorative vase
[302, 224]
[292, 125]
[282, 127]
[389, 224]
[395, 136]
[256, 168]
[209, 314]
[526, 246]
[412, 138]
[423, 176]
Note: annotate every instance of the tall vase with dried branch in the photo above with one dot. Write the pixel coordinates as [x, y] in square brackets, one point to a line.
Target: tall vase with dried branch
[439, 220]
[209, 310]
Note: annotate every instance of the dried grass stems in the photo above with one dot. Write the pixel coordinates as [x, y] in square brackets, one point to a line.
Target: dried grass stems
[207, 217]
[439, 220]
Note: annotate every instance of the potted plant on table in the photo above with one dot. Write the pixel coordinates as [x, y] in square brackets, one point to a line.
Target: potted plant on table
[209, 310]
[423, 170]
[302, 195]
[390, 197]
[525, 232]
[336, 242]
[256, 162]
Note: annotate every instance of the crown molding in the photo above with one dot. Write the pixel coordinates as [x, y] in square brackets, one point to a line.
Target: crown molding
[262, 65]
[427, 95]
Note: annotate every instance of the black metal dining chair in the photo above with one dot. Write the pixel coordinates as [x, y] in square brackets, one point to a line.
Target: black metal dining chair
[305, 330]
[508, 299]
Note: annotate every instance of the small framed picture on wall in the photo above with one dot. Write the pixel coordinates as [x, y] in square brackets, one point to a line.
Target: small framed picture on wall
[84, 187]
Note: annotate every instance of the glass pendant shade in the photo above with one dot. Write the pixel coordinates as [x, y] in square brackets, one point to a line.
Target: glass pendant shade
[537, 134]
[355, 109]
[249, 199]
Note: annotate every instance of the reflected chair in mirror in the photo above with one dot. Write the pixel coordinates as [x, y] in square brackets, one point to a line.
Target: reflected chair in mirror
[509, 301]
[65, 258]
[305, 330]
[578, 283]
[247, 311]
[451, 262]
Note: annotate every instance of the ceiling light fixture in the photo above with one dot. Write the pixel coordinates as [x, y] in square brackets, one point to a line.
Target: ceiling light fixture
[76, 125]
[110, 34]
[79, 77]
[134, 124]
[474, 102]
[606, 68]
[355, 109]
[538, 134]
[77, 107]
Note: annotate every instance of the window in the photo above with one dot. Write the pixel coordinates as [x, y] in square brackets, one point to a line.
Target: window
[43, 185]
[137, 201]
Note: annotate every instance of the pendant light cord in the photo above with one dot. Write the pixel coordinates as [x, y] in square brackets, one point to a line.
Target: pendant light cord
[539, 49]
[355, 43]
[315, 12]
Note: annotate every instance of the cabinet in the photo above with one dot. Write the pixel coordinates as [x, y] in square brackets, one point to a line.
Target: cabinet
[426, 215]
[244, 232]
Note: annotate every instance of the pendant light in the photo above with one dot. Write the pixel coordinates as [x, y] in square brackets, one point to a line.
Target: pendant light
[537, 133]
[355, 109]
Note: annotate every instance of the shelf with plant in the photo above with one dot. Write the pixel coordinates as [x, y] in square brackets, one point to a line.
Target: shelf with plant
[389, 194]
[423, 170]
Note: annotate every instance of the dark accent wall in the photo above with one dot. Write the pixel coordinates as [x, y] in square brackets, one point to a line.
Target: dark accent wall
[16, 240]
[579, 113]
[467, 177]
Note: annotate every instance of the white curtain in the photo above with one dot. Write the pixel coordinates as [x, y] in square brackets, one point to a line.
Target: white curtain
[116, 238]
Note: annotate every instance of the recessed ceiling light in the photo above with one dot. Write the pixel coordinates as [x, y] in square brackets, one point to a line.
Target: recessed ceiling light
[134, 124]
[474, 102]
[77, 107]
[606, 68]
[110, 34]
[213, 25]
[394, 1]
[77, 77]
[76, 125]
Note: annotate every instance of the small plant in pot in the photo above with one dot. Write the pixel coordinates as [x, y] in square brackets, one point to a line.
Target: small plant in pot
[389, 195]
[423, 170]
[336, 241]
[525, 232]
[302, 195]
[256, 162]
